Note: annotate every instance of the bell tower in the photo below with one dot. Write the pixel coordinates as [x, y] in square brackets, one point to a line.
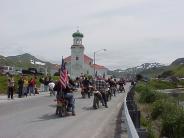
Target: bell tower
[77, 55]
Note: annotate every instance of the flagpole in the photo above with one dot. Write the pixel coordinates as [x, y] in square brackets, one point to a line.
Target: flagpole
[61, 85]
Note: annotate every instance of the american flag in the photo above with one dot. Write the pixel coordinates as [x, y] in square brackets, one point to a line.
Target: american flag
[63, 75]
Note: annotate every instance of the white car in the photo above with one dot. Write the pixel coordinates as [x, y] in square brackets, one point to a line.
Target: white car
[8, 70]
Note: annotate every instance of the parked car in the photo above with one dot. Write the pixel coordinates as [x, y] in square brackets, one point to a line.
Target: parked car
[7, 70]
[1, 70]
[32, 71]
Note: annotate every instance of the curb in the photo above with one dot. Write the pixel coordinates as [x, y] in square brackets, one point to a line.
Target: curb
[4, 99]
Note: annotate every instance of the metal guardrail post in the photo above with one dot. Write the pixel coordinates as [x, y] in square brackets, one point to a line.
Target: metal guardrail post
[132, 132]
[132, 116]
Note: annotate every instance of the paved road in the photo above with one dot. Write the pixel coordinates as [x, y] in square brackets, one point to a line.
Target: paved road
[35, 118]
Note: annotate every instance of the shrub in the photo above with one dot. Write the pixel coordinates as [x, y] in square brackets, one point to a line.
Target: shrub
[181, 82]
[142, 87]
[148, 96]
[173, 124]
[161, 108]
[167, 73]
[148, 124]
[139, 77]
[158, 84]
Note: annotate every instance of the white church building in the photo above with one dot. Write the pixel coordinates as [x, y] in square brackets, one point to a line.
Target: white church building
[79, 63]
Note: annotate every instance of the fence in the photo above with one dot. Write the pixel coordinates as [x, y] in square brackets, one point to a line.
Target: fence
[132, 115]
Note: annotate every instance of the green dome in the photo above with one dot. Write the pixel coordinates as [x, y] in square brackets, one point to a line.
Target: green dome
[77, 34]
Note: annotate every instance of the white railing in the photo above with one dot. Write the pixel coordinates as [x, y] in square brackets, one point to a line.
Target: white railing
[132, 132]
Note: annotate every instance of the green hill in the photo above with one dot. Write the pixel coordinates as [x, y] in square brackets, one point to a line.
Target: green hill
[176, 68]
[178, 61]
[24, 61]
[152, 70]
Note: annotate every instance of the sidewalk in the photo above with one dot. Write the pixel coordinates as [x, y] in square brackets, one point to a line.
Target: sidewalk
[4, 98]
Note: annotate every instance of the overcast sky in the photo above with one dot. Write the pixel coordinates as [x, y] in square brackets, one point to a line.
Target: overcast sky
[132, 31]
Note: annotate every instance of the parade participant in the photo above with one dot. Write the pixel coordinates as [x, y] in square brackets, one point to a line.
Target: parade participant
[20, 87]
[32, 84]
[11, 86]
[112, 85]
[85, 87]
[66, 93]
[121, 83]
[51, 88]
[101, 86]
[25, 86]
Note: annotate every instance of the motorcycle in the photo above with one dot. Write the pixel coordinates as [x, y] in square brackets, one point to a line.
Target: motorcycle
[85, 91]
[63, 108]
[113, 90]
[109, 94]
[121, 89]
[91, 89]
[96, 100]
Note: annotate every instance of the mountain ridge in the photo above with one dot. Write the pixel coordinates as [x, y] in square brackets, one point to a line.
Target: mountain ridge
[25, 61]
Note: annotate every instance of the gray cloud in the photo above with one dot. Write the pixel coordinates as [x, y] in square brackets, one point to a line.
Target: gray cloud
[133, 32]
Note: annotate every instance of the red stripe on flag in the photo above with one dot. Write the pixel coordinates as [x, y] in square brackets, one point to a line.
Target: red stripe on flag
[63, 78]
[63, 75]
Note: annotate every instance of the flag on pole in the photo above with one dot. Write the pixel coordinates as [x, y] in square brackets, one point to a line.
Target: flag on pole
[63, 75]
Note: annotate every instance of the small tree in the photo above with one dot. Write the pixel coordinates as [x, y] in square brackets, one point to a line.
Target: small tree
[139, 77]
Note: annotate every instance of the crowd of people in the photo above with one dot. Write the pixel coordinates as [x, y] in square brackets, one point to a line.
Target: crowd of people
[27, 86]
[101, 88]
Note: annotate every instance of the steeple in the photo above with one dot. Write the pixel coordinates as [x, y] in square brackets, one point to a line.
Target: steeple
[77, 54]
[77, 38]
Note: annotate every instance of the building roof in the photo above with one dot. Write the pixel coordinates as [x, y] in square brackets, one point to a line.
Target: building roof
[98, 66]
[67, 59]
[77, 34]
[86, 59]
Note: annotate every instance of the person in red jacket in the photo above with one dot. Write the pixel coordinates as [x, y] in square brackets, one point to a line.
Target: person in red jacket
[32, 84]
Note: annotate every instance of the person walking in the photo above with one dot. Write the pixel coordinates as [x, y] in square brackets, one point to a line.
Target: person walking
[46, 83]
[11, 86]
[51, 88]
[32, 86]
[25, 86]
[20, 87]
[41, 80]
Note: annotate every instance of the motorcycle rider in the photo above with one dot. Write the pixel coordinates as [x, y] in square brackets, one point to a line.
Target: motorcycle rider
[67, 93]
[121, 85]
[112, 86]
[85, 86]
[101, 86]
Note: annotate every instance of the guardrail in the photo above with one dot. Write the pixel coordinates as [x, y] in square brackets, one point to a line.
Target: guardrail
[132, 117]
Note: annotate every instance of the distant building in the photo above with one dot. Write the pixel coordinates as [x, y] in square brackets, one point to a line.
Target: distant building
[79, 63]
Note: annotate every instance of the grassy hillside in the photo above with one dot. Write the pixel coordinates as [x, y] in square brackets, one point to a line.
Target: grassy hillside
[24, 61]
[178, 70]
[172, 70]
[154, 72]
[20, 60]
